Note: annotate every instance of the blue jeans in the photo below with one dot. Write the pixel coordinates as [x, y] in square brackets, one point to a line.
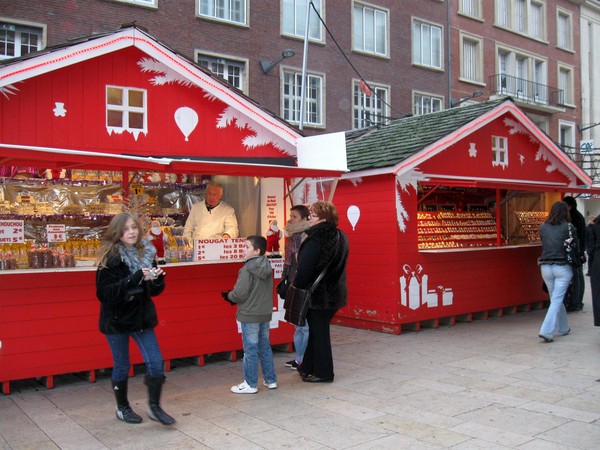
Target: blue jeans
[300, 342]
[148, 345]
[255, 337]
[557, 278]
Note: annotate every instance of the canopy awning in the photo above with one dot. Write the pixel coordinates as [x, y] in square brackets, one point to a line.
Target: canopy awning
[56, 158]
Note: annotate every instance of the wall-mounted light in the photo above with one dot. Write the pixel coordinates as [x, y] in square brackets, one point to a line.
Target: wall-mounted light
[457, 101]
[582, 127]
[268, 65]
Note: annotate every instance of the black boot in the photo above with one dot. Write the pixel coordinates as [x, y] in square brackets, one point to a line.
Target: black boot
[155, 412]
[124, 411]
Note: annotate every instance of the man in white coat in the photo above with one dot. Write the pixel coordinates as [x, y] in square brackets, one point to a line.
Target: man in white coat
[212, 218]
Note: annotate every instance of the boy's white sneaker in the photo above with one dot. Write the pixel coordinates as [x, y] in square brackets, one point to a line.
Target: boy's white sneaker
[270, 385]
[244, 388]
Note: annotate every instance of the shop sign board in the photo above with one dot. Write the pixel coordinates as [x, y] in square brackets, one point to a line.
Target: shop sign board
[56, 232]
[586, 146]
[12, 232]
[219, 249]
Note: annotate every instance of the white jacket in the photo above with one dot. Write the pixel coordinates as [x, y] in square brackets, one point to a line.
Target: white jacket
[204, 224]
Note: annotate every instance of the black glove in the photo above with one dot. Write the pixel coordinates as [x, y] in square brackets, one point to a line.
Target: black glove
[225, 295]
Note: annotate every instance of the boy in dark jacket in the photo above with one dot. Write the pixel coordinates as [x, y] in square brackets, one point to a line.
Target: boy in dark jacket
[253, 293]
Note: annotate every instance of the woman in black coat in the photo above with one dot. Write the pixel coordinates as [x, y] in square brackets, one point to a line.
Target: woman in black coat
[324, 246]
[126, 279]
[592, 245]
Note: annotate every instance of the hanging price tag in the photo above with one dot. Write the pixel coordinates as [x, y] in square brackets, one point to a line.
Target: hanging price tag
[12, 231]
[56, 233]
[137, 189]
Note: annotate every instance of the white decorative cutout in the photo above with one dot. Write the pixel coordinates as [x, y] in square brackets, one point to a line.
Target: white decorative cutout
[415, 292]
[522, 158]
[472, 150]
[186, 120]
[7, 90]
[59, 110]
[353, 214]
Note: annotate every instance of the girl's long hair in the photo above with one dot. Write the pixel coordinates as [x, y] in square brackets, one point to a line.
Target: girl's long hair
[559, 212]
[112, 236]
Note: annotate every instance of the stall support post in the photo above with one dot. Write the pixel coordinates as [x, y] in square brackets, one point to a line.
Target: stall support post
[498, 220]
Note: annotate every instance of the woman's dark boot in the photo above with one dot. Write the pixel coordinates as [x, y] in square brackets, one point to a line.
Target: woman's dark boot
[155, 412]
[124, 411]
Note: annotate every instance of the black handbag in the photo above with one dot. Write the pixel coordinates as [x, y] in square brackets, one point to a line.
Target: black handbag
[574, 259]
[282, 286]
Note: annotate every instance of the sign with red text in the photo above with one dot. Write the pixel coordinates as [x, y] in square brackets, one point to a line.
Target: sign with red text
[56, 233]
[219, 249]
[277, 266]
[12, 232]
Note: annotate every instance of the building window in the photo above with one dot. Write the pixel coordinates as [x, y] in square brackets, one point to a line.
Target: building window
[226, 10]
[499, 151]
[292, 95]
[370, 30]
[526, 17]
[234, 72]
[427, 44]
[565, 84]
[425, 104]
[370, 104]
[151, 3]
[294, 19]
[566, 134]
[522, 75]
[471, 63]
[18, 40]
[126, 109]
[564, 29]
[470, 8]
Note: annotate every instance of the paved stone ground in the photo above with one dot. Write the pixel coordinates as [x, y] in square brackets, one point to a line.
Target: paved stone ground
[487, 384]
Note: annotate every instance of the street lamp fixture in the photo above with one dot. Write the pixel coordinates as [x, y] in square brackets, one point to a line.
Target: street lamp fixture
[457, 101]
[582, 127]
[268, 65]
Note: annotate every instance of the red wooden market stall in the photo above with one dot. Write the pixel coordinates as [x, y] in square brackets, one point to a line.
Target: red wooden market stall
[107, 110]
[425, 249]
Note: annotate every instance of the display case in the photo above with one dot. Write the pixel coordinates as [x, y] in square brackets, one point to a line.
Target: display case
[530, 222]
[449, 229]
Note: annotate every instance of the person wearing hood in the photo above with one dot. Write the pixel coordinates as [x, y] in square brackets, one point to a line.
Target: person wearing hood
[253, 294]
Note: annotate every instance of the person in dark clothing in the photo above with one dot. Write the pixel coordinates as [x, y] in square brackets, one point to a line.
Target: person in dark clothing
[592, 245]
[324, 246]
[126, 279]
[574, 298]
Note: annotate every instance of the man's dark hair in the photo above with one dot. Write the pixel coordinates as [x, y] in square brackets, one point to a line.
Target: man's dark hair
[259, 243]
[570, 201]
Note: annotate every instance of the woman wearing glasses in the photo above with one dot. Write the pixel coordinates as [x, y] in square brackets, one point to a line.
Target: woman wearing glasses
[324, 246]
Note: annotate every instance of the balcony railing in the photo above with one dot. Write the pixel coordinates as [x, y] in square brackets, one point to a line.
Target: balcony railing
[526, 91]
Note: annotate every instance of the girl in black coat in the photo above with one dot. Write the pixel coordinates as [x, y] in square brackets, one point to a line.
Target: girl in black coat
[324, 245]
[126, 279]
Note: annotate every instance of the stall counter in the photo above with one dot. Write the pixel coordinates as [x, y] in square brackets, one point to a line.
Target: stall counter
[49, 320]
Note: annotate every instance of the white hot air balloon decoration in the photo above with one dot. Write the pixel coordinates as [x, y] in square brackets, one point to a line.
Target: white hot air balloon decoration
[186, 119]
[353, 214]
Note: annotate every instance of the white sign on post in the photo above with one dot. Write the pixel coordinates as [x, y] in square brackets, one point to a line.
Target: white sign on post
[12, 232]
[219, 249]
[56, 233]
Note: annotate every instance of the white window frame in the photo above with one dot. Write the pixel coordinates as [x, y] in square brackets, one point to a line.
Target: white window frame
[314, 106]
[361, 32]
[471, 62]
[146, 3]
[297, 10]
[420, 31]
[20, 28]
[470, 8]
[209, 9]
[499, 151]
[207, 60]
[564, 29]
[566, 130]
[519, 16]
[566, 82]
[375, 106]
[529, 67]
[425, 103]
[124, 109]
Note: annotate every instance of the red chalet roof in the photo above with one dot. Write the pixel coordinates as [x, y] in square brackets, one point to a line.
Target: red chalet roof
[124, 100]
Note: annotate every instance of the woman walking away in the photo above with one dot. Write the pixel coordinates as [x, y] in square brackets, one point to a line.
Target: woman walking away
[556, 272]
[325, 247]
[126, 279]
